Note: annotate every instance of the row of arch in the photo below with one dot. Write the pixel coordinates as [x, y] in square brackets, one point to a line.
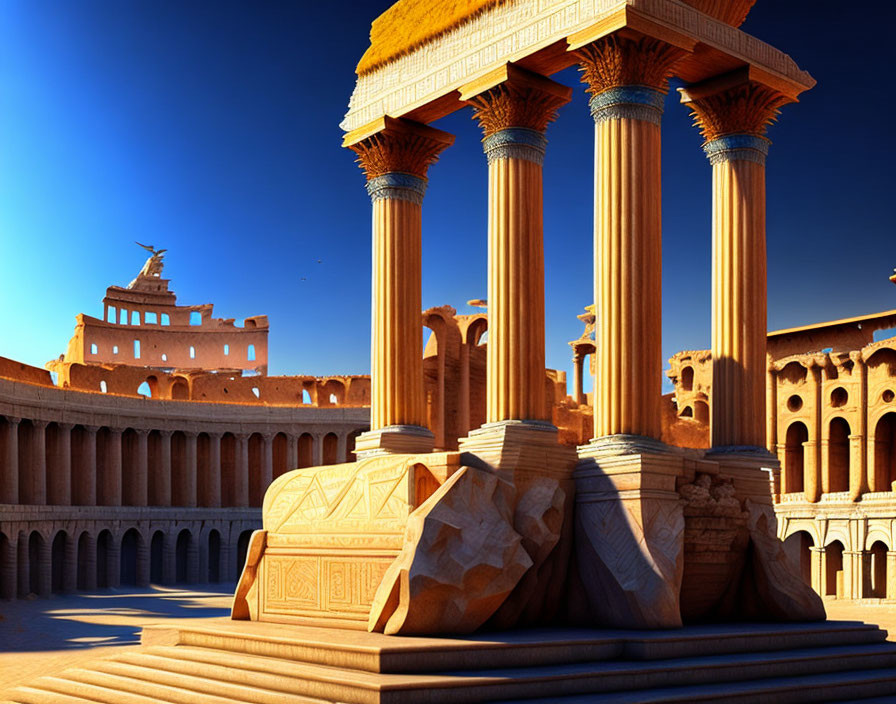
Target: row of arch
[36, 564]
[840, 460]
[830, 576]
[55, 464]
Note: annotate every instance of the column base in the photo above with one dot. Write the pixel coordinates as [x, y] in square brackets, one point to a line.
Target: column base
[526, 449]
[394, 440]
[754, 471]
[629, 532]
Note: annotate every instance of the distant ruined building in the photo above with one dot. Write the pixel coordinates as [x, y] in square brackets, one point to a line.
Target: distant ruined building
[831, 397]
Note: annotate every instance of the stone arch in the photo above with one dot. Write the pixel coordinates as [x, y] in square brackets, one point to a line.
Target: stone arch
[180, 389]
[884, 473]
[256, 462]
[280, 455]
[130, 547]
[58, 562]
[152, 381]
[35, 548]
[794, 463]
[687, 378]
[306, 450]
[157, 558]
[793, 372]
[105, 559]
[833, 569]
[874, 571]
[84, 580]
[182, 556]
[214, 556]
[228, 469]
[798, 545]
[687, 412]
[330, 448]
[838, 455]
[333, 391]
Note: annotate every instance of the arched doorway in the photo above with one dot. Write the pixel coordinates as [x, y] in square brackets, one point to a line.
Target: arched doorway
[838, 455]
[57, 562]
[84, 550]
[799, 547]
[797, 434]
[331, 449]
[182, 556]
[129, 546]
[306, 450]
[214, 556]
[157, 557]
[35, 546]
[687, 378]
[874, 572]
[884, 453]
[103, 559]
[833, 569]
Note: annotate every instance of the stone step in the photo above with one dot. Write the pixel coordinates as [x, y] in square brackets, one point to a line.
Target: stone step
[66, 685]
[31, 695]
[374, 652]
[117, 689]
[274, 681]
[853, 687]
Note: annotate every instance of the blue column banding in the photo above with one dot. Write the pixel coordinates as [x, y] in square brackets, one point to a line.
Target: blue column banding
[515, 143]
[629, 103]
[397, 186]
[737, 147]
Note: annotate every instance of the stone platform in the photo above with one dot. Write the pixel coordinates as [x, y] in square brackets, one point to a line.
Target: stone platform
[219, 661]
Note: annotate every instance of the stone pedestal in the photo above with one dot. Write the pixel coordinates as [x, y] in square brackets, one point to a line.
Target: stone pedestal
[629, 530]
[394, 439]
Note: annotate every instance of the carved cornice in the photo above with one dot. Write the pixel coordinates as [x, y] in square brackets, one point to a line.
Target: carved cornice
[746, 109]
[732, 12]
[616, 62]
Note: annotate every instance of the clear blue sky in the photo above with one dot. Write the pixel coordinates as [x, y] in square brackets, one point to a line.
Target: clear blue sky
[211, 129]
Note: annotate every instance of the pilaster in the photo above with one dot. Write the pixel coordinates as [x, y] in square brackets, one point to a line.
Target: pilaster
[140, 479]
[38, 469]
[163, 471]
[189, 483]
[213, 487]
[241, 480]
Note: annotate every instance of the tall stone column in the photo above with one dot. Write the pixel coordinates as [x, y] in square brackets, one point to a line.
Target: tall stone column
[292, 452]
[143, 566]
[140, 489]
[267, 463]
[463, 420]
[629, 519]
[732, 119]
[59, 490]
[9, 469]
[39, 463]
[514, 108]
[317, 450]
[578, 389]
[214, 470]
[88, 557]
[627, 80]
[163, 471]
[241, 488]
[817, 567]
[340, 448]
[771, 395]
[89, 470]
[70, 573]
[190, 469]
[856, 468]
[395, 156]
[112, 490]
[44, 568]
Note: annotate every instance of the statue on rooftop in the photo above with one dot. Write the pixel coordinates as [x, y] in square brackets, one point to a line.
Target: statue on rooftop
[152, 268]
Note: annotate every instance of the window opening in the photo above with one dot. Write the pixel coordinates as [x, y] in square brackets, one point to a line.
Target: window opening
[150, 318]
[250, 354]
[195, 318]
[165, 319]
[110, 316]
[93, 348]
[136, 349]
[192, 352]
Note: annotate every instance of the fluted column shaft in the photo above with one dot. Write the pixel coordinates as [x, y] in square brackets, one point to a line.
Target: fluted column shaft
[514, 114]
[241, 489]
[628, 82]
[395, 158]
[267, 463]
[292, 452]
[733, 122]
[578, 388]
[9, 469]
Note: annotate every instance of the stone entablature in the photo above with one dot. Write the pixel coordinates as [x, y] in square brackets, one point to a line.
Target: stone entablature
[422, 84]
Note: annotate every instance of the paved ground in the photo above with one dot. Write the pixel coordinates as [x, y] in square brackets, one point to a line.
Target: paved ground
[46, 636]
